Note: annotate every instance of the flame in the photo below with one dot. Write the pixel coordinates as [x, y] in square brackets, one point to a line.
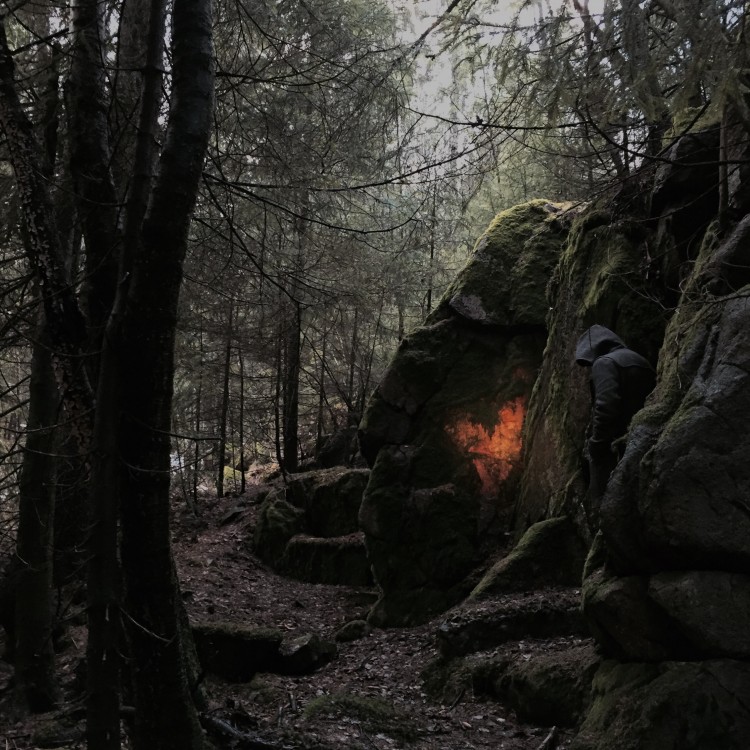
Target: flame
[494, 452]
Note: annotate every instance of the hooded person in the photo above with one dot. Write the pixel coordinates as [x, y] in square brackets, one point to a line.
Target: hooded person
[620, 381]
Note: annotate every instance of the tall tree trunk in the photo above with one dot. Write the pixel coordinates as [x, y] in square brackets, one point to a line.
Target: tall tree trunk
[278, 417]
[243, 468]
[90, 165]
[431, 269]
[198, 418]
[33, 612]
[321, 396]
[350, 396]
[35, 662]
[723, 210]
[292, 342]
[104, 585]
[224, 411]
[98, 207]
[66, 324]
[166, 716]
[367, 375]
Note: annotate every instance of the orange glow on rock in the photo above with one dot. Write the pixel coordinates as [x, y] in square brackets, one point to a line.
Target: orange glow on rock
[494, 452]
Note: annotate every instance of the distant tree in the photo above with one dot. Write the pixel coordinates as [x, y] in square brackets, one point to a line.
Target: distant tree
[589, 96]
[306, 98]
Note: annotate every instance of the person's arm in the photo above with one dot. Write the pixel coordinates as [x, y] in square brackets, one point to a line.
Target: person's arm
[607, 407]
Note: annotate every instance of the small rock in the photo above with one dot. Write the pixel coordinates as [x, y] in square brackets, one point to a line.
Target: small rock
[353, 631]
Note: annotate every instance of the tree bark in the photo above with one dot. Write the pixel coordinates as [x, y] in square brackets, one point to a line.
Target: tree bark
[223, 416]
[243, 467]
[98, 207]
[166, 718]
[66, 324]
[35, 660]
[350, 395]
[198, 419]
[320, 428]
[90, 166]
[292, 341]
[33, 615]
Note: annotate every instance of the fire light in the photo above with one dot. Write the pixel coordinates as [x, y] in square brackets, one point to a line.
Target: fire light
[495, 451]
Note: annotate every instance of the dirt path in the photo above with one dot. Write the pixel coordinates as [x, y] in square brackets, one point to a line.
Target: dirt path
[376, 698]
[224, 581]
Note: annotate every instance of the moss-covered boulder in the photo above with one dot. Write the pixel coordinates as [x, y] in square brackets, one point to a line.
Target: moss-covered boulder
[679, 496]
[684, 200]
[330, 498]
[308, 528]
[668, 580]
[375, 715]
[235, 652]
[549, 687]
[443, 429]
[481, 625]
[544, 682]
[550, 553]
[506, 281]
[625, 621]
[691, 706]
[737, 153]
[422, 541]
[670, 615]
[278, 521]
[340, 560]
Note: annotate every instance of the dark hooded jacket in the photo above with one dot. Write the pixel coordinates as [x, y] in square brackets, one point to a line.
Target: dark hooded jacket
[620, 381]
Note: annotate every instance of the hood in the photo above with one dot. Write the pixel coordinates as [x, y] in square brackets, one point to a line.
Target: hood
[596, 341]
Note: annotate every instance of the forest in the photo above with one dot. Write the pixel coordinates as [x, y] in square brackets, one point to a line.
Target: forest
[221, 226]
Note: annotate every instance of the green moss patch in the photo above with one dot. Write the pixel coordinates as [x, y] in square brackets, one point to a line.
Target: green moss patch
[375, 714]
[505, 280]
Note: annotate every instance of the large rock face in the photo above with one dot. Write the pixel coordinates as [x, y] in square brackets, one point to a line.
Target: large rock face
[679, 498]
[666, 588]
[667, 585]
[691, 706]
[600, 279]
[443, 430]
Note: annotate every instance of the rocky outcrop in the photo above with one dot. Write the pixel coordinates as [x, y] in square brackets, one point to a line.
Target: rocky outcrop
[337, 560]
[237, 653]
[443, 429]
[531, 652]
[330, 499]
[308, 528]
[684, 199]
[666, 588]
[550, 553]
[549, 686]
[601, 278]
[545, 682]
[667, 585]
[481, 625]
[695, 706]
[737, 154]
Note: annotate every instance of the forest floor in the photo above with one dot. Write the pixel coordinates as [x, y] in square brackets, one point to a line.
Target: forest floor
[377, 680]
